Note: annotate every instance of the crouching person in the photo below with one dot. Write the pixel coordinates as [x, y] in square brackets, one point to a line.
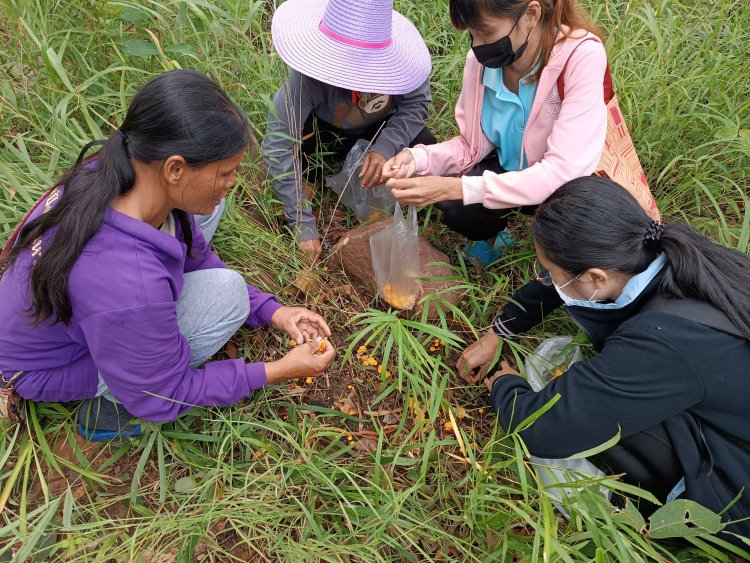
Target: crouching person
[667, 311]
[111, 293]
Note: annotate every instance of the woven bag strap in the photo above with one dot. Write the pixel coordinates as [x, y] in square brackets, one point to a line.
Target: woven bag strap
[609, 91]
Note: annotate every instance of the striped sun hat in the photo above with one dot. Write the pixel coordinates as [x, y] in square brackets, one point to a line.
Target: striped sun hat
[361, 45]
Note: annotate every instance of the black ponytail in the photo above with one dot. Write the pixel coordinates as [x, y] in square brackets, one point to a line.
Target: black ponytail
[593, 222]
[177, 113]
[701, 268]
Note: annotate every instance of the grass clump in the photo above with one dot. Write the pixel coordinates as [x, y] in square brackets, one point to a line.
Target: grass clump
[359, 465]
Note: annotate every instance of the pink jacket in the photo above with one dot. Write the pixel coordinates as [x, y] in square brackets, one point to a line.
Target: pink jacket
[562, 141]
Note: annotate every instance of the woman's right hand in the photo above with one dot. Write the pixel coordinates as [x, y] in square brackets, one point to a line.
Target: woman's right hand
[476, 360]
[400, 166]
[302, 361]
[311, 249]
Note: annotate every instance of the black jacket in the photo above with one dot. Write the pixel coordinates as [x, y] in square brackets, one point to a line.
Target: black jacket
[652, 367]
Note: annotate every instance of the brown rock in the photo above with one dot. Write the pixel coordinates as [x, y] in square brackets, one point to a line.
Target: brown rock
[352, 254]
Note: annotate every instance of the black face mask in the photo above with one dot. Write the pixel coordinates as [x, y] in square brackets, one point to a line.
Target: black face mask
[500, 53]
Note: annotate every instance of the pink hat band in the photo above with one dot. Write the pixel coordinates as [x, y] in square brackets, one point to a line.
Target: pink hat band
[354, 42]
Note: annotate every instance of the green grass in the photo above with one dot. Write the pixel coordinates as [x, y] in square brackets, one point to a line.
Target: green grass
[277, 478]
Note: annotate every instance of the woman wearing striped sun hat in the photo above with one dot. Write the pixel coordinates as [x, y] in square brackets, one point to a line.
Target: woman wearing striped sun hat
[359, 70]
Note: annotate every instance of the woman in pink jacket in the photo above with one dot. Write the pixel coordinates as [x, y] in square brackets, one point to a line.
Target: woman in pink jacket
[517, 142]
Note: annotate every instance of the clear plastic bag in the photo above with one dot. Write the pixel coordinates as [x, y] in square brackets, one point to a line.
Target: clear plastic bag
[365, 203]
[395, 260]
[551, 359]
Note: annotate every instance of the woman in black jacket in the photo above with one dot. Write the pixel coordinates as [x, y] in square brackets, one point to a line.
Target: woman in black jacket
[668, 312]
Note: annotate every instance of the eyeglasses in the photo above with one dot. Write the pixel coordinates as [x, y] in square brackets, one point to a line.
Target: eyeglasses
[543, 276]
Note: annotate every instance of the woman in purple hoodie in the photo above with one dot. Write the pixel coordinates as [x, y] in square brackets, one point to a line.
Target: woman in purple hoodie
[111, 293]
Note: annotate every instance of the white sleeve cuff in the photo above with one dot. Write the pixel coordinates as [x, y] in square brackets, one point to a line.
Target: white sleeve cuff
[420, 159]
[473, 188]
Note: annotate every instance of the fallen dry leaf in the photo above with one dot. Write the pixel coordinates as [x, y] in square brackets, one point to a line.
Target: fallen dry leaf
[232, 350]
[368, 445]
[383, 412]
[345, 405]
[391, 418]
[306, 281]
[296, 391]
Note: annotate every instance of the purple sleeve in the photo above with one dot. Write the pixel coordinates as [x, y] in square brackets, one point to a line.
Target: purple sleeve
[144, 360]
[262, 305]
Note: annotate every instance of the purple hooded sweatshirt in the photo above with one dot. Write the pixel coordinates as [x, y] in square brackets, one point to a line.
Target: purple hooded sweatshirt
[123, 289]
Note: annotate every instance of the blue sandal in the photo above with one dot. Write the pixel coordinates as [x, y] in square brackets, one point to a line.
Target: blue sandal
[482, 254]
[100, 420]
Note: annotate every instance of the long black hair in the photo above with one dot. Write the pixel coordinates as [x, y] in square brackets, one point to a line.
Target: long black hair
[593, 222]
[181, 113]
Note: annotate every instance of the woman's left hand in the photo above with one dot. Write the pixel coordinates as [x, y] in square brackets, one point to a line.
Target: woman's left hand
[425, 190]
[300, 324]
[505, 369]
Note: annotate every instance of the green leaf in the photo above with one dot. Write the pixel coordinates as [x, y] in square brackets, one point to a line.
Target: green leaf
[683, 518]
[139, 48]
[143, 511]
[162, 469]
[134, 15]
[10, 9]
[185, 484]
[630, 516]
[181, 49]
[46, 547]
[55, 61]
[67, 518]
[30, 542]
[529, 420]
[140, 468]
[600, 448]
[726, 133]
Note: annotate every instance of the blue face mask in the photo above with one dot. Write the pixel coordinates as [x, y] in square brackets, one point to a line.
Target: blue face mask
[567, 299]
[632, 289]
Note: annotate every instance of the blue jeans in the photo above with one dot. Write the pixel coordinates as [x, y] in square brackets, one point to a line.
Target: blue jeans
[213, 305]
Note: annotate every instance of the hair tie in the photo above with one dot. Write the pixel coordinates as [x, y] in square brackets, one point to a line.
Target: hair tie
[653, 233]
[125, 138]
